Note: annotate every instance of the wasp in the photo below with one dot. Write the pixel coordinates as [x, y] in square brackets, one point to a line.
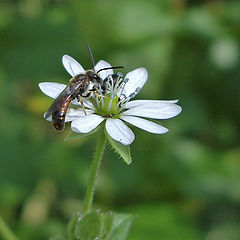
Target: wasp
[82, 85]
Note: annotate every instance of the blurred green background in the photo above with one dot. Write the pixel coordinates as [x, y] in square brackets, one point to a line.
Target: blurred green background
[182, 185]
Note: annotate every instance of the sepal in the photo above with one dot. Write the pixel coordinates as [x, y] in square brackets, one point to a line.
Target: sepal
[122, 150]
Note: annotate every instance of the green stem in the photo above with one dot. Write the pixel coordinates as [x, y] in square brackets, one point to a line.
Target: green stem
[5, 231]
[94, 173]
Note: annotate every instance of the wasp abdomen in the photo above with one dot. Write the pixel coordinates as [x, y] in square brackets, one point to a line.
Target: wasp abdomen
[58, 117]
[58, 120]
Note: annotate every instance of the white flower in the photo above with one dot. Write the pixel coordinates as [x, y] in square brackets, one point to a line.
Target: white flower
[114, 107]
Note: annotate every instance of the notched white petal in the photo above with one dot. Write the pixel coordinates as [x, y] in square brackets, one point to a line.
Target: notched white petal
[137, 78]
[72, 114]
[51, 89]
[145, 124]
[119, 131]
[156, 111]
[72, 66]
[48, 119]
[86, 123]
[103, 64]
[139, 103]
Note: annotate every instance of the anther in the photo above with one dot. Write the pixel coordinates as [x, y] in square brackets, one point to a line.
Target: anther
[137, 90]
[132, 95]
[123, 96]
[124, 101]
[120, 74]
[123, 85]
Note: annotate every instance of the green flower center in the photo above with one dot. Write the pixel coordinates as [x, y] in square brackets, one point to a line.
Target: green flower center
[107, 106]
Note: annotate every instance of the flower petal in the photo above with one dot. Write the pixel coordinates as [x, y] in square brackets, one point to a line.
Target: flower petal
[48, 119]
[137, 79]
[145, 124]
[72, 114]
[86, 103]
[86, 123]
[72, 66]
[103, 64]
[157, 111]
[119, 131]
[138, 103]
[51, 89]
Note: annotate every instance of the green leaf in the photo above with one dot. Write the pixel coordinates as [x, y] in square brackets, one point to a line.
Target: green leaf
[106, 224]
[88, 228]
[122, 150]
[72, 225]
[120, 227]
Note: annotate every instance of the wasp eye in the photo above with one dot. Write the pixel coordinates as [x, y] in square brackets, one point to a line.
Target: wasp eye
[98, 79]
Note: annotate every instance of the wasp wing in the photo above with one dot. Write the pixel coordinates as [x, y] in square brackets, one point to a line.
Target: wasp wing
[62, 98]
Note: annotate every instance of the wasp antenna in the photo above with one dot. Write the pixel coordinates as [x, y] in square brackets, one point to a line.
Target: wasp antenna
[109, 68]
[90, 53]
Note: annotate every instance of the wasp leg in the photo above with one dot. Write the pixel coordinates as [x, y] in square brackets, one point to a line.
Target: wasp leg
[82, 105]
[99, 96]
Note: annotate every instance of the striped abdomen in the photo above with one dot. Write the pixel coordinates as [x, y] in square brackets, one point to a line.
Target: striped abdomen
[58, 117]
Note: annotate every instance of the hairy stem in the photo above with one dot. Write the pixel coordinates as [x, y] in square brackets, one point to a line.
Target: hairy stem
[92, 180]
[5, 231]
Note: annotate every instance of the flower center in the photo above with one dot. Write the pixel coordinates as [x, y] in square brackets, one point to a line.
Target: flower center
[110, 98]
[107, 106]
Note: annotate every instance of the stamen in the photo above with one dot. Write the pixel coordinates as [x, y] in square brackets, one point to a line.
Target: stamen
[123, 102]
[123, 86]
[110, 104]
[118, 83]
[97, 101]
[116, 107]
[137, 90]
[120, 74]
[111, 83]
[132, 95]
[126, 100]
[123, 96]
[102, 102]
[108, 94]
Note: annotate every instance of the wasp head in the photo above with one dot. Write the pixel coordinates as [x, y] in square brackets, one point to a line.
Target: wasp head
[93, 76]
